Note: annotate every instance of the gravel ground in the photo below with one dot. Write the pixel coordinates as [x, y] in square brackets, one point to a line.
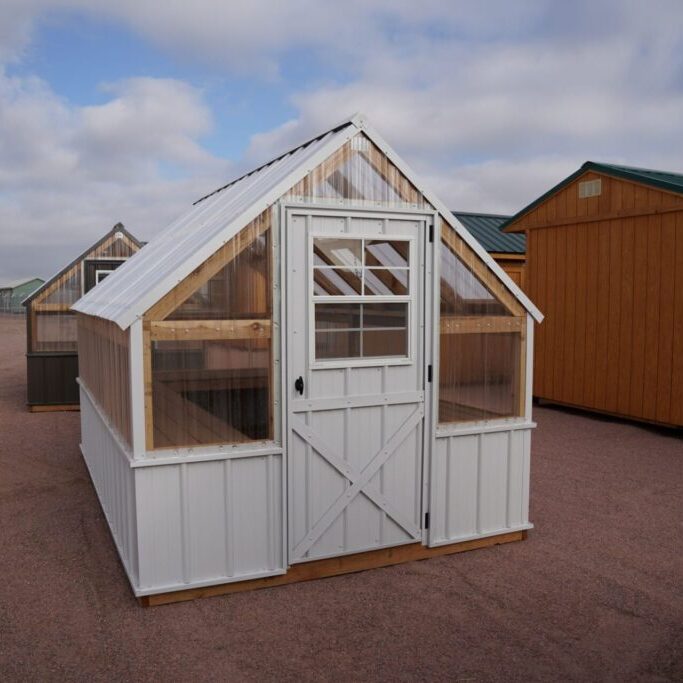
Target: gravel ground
[594, 593]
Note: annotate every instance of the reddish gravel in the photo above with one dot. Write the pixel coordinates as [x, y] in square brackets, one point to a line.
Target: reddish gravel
[593, 594]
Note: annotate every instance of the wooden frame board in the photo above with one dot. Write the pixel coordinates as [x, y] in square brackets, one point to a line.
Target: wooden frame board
[335, 566]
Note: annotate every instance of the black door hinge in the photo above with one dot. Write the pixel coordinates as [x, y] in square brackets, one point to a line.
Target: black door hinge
[431, 232]
[426, 520]
[429, 373]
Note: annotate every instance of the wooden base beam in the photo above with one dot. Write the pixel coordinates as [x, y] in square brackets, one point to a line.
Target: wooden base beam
[66, 407]
[334, 566]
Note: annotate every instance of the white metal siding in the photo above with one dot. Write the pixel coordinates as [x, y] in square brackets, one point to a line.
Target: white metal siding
[203, 523]
[110, 471]
[480, 485]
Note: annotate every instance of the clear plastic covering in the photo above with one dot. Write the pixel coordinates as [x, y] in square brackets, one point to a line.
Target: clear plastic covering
[211, 355]
[104, 370]
[52, 326]
[481, 343]
[359, 173]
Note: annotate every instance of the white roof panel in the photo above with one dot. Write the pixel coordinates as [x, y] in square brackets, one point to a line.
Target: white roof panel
[146, 277]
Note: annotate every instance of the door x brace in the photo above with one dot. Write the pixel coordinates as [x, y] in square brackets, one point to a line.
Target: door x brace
[359, 480]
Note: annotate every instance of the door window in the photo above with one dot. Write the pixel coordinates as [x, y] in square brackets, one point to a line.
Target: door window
[361, 297]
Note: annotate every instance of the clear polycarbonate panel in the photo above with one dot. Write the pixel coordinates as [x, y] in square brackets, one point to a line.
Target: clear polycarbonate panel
[54, 332]
[360, 174]
[104, 370]
[241, 288]
[479, 360]
[212, 373]
[479, 376]
[67, 290]
[462, 293]
[117, 247]
[211, 392]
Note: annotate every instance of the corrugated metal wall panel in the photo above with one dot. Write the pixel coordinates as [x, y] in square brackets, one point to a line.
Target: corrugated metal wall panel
[209, 522]
[113, 479]
[480, 485]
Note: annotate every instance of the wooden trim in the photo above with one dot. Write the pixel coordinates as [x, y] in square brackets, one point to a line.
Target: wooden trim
[147, 379]
[482, 271]
[57, 408]
[523, 389]
[504, 256]
[614, 215]
[335, 566]
[51, 308]
[455, 324]
[198, 330]
[228, 252]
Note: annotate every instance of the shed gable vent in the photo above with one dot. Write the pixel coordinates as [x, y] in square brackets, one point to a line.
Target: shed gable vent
[590, 188]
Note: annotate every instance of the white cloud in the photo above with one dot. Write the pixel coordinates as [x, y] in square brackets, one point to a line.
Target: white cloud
[68, 173]
[491, 102]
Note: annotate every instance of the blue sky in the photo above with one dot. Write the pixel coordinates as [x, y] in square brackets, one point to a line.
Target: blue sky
[128, 111]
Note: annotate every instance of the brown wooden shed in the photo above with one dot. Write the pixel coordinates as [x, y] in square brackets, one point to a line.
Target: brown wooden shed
[605, 265]
[508, 250]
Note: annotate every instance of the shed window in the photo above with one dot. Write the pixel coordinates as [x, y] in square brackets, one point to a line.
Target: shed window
[481, 340]
[211, 351]
[349, 277]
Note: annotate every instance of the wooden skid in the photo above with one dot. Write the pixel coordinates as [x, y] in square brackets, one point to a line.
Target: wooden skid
[66, 407]
[542, 401]
[334, 566]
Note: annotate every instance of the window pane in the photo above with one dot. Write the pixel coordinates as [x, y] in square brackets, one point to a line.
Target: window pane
[479, 376]
[392, 253]
[337, 316]
[336, 282]
[385, 342]
[208, 392]
[462, 293]
[385, 315]
[330, 251]
[330, 344]
[384, 282]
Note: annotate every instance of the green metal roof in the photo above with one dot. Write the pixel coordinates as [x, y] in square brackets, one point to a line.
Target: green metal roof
[486, 229]
[661, 180]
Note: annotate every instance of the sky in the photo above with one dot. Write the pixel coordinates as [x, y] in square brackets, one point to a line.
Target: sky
[130, 110]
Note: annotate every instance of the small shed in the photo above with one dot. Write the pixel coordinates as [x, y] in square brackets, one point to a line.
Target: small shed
[605, 263]
[51, 332]
[13, 293]
[507, 249]
[316, 370]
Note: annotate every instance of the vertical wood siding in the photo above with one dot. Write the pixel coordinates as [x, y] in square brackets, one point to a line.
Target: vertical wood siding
[609, 280]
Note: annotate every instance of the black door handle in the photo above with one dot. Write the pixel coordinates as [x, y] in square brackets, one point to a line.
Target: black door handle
[299, 385]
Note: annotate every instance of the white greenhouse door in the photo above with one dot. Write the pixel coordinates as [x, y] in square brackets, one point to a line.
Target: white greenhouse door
[355, 380]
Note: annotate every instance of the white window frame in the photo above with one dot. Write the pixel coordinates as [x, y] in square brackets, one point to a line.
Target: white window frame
[410, 299]
[99, 272]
